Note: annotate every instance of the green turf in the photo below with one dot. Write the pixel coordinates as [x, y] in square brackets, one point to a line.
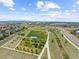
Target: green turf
[38, 34]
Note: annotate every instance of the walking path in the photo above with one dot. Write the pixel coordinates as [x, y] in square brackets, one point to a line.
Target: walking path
[48, 51]
[45, 46]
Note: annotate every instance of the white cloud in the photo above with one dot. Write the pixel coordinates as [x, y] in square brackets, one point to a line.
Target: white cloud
[40, 4]
[46, 5]
[7, 3]
[12, 9]
[51, 14]
[1, 16]
[66, 10]
[67, 14]
[52, 5]
[74, 6]
[77, 2]
[24, 9]
[73, 10]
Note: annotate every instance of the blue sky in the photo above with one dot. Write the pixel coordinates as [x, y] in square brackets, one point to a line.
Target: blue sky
[39, 10]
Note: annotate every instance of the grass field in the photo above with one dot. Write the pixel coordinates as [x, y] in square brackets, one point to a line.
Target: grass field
[54, 48]
[70, 49]
[61, 46]
[39, 34]
[9, 54]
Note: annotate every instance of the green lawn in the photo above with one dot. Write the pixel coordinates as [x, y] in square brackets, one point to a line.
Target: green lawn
[38, 34]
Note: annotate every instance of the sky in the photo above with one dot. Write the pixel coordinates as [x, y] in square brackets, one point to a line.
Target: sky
[39, 10]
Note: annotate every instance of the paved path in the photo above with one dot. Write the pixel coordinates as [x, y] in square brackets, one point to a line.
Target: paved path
[48, 51]
[46, 46]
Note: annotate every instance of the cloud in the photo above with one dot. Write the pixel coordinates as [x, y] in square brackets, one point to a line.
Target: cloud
[74, 6]
[67, 13]
[1, 16]
[52, 14]
[40, 4]
[12, 9]
[73, 10]
[52, 5]
[77, 2]
[24, 9]
[46, 5]
[8, 3]
[66, 10]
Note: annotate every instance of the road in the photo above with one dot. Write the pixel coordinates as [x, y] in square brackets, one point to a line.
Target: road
[71, 37]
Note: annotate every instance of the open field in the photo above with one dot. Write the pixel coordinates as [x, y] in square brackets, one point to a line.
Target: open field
[70, 49]
[62, 49]
[9, 54]
[54, 48]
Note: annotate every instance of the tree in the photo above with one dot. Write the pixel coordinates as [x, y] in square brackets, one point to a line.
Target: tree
[36, 51]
